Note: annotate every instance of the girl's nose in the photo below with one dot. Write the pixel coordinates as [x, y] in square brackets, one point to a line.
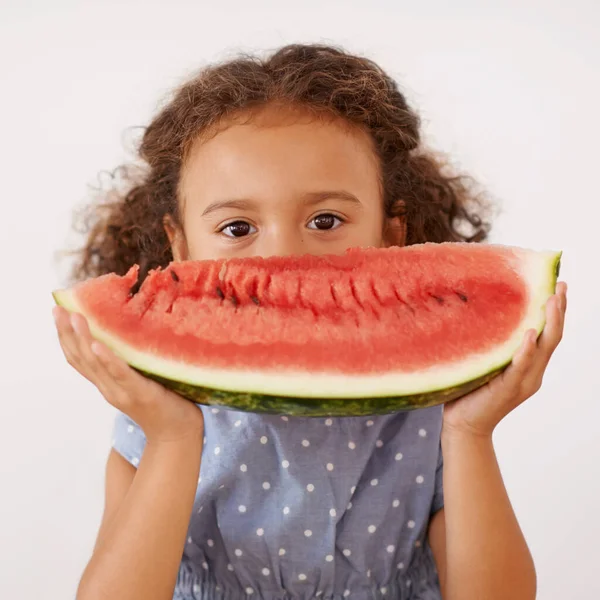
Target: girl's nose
[283, 243]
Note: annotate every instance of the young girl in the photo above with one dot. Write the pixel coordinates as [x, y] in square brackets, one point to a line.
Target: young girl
[311, 151]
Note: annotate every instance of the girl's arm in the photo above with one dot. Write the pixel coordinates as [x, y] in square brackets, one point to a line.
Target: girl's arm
[140, 543]
[476, 540]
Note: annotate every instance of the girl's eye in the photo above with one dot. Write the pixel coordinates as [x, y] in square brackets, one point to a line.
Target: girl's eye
[325, 221]
[237, 229]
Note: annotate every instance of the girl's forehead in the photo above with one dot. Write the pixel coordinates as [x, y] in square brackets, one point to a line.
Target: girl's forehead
[281, 145]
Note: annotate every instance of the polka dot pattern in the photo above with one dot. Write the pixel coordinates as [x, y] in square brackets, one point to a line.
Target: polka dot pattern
[329, 480]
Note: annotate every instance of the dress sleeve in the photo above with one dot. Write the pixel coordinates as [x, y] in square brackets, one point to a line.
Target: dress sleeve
[128, 439]
[438, 493]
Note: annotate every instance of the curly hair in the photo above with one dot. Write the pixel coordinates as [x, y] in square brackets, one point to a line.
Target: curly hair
[125, 225]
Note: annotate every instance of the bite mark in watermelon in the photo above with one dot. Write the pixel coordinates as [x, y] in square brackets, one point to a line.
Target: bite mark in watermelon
[371, 331]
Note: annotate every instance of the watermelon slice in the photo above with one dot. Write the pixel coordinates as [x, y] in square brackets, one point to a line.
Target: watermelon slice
[371, 331]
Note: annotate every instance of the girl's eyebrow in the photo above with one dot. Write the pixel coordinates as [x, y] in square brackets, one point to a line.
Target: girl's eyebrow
[317, 197]
[309, 199]
[237, 204]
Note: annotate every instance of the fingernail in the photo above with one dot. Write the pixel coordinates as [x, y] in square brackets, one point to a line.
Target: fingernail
[74, 324]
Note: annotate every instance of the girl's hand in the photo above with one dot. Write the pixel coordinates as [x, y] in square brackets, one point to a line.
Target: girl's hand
[479, 412]
[163, 415]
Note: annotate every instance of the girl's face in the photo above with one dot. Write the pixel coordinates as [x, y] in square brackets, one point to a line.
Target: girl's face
[281, 183]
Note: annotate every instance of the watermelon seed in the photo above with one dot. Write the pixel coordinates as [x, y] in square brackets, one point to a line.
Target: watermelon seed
[461, 296]
[234, 300]
[220, 293]
[255, 300]
[438, 299]
[174, 275]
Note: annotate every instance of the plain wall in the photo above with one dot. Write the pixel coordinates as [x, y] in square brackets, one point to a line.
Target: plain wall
[511, 89]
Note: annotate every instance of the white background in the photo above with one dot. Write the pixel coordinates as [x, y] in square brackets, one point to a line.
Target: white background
[510, 88]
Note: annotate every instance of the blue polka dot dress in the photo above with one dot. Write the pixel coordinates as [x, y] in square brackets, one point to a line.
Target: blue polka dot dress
[298, 508]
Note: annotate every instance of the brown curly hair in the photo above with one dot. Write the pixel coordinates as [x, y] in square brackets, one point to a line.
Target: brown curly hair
[125, 227]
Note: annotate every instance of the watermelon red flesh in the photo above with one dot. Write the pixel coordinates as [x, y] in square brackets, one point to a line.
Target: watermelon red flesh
[371, 322]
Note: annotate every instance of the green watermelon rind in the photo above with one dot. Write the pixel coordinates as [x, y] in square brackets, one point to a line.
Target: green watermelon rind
[318, 407]
[342, 403]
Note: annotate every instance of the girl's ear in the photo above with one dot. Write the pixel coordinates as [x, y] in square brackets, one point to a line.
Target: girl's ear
[394, 231]
[176, 239]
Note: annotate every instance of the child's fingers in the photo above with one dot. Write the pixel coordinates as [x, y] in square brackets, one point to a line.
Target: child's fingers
[75, 341]
[524, 357]
[67, 337]
[553, 330]
[561, 290]
[124, 386]
[521, 364]
[84, 340]
[519, 380]
[113, 377]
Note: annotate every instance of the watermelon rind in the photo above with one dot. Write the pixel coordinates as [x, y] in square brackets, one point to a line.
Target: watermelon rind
[335, 394]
